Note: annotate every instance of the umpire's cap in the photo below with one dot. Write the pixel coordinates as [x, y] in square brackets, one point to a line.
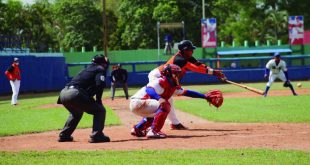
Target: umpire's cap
[99, 59]
[186, 45]
[276, 54]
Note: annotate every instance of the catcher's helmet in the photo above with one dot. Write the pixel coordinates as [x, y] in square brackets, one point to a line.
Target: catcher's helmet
[171, 69]
[186, 45]
[99, 59]
[172, 72]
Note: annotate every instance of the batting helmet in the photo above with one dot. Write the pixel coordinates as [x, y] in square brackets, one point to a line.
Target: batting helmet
[186, 45]
[99, 59]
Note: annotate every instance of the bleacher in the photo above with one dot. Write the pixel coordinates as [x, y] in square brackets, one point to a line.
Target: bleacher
[17, 45]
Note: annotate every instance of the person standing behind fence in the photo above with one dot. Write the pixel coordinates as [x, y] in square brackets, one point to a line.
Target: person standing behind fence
[119, 76]
[13, 74]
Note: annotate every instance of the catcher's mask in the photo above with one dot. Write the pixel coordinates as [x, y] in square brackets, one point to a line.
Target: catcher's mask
[172, 71]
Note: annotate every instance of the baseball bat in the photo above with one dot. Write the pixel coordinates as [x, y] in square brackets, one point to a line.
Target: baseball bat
[258, 91]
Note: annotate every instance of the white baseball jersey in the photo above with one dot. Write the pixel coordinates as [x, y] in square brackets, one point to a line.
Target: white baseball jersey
[274, 68]
[141, 104]
[153, 75]
[159, 89]
[276, 71]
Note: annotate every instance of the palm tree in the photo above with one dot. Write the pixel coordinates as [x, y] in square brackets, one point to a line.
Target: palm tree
[276, 23]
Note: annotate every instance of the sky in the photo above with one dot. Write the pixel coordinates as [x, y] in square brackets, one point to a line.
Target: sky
[28, 1]
[24, 1]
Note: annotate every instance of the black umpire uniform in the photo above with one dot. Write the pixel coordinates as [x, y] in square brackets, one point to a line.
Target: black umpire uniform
[77, 98]
[120, 76]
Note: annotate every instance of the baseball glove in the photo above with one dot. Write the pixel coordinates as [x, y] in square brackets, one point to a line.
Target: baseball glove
[215, 97]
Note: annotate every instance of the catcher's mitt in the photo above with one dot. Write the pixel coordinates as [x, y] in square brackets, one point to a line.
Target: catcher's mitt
[215, 97]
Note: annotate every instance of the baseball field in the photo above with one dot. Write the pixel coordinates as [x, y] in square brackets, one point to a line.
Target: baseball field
[247, 129]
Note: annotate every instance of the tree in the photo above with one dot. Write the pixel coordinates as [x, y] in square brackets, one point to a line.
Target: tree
[39, 26]
[276, 24]
[136, 27]
[297, 7]
[11, 16]
[140, 31]
[78, 22]
[236, 20]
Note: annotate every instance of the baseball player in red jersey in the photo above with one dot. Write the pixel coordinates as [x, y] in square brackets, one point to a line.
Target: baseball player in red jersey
[185, 60]
[151, 102]
[13, 74]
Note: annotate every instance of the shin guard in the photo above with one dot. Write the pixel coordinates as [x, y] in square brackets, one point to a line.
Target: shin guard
[145, 123]
[161, 116]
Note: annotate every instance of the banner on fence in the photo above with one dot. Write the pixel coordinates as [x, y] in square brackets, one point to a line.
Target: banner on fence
[208, 33]
[296, 30]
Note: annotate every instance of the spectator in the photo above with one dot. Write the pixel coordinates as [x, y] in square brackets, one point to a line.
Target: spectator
[13, 74]
[168, 47]
[119, 76]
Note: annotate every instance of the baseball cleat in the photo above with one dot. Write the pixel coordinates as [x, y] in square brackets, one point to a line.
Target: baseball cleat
[138, 132]
[178, 127]
[154, 134]
[65, 139]
[99, 139]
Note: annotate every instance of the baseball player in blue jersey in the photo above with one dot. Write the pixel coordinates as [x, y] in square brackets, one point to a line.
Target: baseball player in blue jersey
[276, 68]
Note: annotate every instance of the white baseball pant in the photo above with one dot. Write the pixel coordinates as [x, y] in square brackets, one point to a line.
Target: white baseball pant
[15, 89]
[144, 107]
[155, 74]
[273, 77]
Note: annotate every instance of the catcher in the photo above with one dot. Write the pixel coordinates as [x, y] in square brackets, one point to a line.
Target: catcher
[185, 60]
[151, 102]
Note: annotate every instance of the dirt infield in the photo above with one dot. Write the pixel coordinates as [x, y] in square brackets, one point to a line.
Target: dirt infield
[202, 134]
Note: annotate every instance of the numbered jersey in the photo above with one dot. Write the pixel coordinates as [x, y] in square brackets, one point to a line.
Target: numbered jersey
[274, 68]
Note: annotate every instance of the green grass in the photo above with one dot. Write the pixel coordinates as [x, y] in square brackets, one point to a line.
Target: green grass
[289, 109]
[30, 117]
[255, 109]
[229, 156]
[228, 88]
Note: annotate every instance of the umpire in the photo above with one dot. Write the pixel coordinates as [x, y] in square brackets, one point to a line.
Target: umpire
[77, 98]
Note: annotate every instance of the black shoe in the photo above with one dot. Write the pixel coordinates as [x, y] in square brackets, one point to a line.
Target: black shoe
[65, 139]
[99, 139]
